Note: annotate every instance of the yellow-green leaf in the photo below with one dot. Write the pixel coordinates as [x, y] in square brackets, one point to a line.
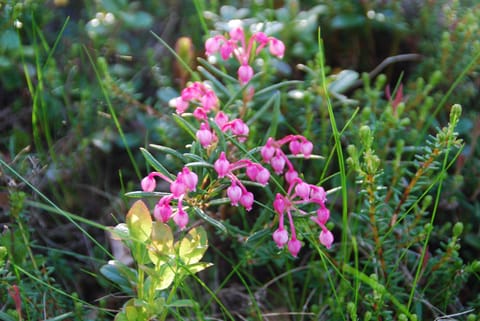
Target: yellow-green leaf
[193, 246]
[165, 277]
[139, 221]
[161, 247]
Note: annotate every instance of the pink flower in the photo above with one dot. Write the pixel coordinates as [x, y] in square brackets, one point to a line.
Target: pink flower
[245, 73]
[326, 238]
[212, 45]
[279, 204]
[291, 175]
[237, 34]
[227, 49]
[278, 163]
[163, 211]
[302, 189]
[239, 128]
[204, 135]
[148, 183]
[189, 178]
[180, 105]
[323, 214]
[317, 193]
[234, 193]
[295, 147]
[268, 150]
[247, 200]
[177, 188]
[181, 218]
[277, 48]
[306, 148]
[280, 236]
[221, 119]
[294, 246]
[200, 114]
[222, 165]
[252, 171]
[263, 176]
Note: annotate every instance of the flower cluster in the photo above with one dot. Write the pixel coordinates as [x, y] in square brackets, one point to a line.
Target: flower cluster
[206, 101]
[206, 110]
[185, 182]
[238, 47]
[236, 192]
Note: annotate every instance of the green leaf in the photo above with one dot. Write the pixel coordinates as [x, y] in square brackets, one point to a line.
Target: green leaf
[197, 267]
[161, 247]
[193, 246]
[182, 122]
[6, 317]
[343, 80]
[3, 255]
[60, 317]
[119, 274]
[183, 303]
[210, 220]
[170, 151]
[152, 161]
[164, 277]
[139, 221]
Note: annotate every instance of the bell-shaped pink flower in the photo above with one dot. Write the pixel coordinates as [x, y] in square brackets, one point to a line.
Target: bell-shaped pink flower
[234, 193]
[189, 178]
[221, 119]
[326, 238]
[277, 48]
[205, 135]
[212, 45]
[307, 148]
[239, 128]
[294, 246]
[181, 218]
[163, 210]
[237, 34]
[247, 200]
[148, 183]
[226, 50]
[177, 188]
[317, 194]
[323, 214]
[279, 204]
[280, 236]
[268, 150]
[245, 73]
[291, 175]
[263, 176]
[278, 163]
[180, 105]
[295, 147]
[302, 189]
[222, 165]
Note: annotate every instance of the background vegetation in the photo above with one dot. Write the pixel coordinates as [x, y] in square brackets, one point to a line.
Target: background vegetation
[85, 84]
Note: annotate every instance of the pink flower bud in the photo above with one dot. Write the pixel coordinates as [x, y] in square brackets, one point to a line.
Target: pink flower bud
[189, 178]
[200, 114]
[302, 189]
[326, 238]
[181, 218]
[279, 204]
[278, 163]
[252, 171]
[307, 148]
[247, 200]
[294, 246]
[245, 73]
[234, 193]
[222, 165]
[148, 183]
[280, 236]
[277, 48]
[204, 135]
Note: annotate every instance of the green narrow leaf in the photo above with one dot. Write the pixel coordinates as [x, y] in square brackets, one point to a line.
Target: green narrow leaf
[210, 220]
[183, 123]
[263, 110]
[277, 86]
[139, 221]
[152, 161]
[170, 151]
